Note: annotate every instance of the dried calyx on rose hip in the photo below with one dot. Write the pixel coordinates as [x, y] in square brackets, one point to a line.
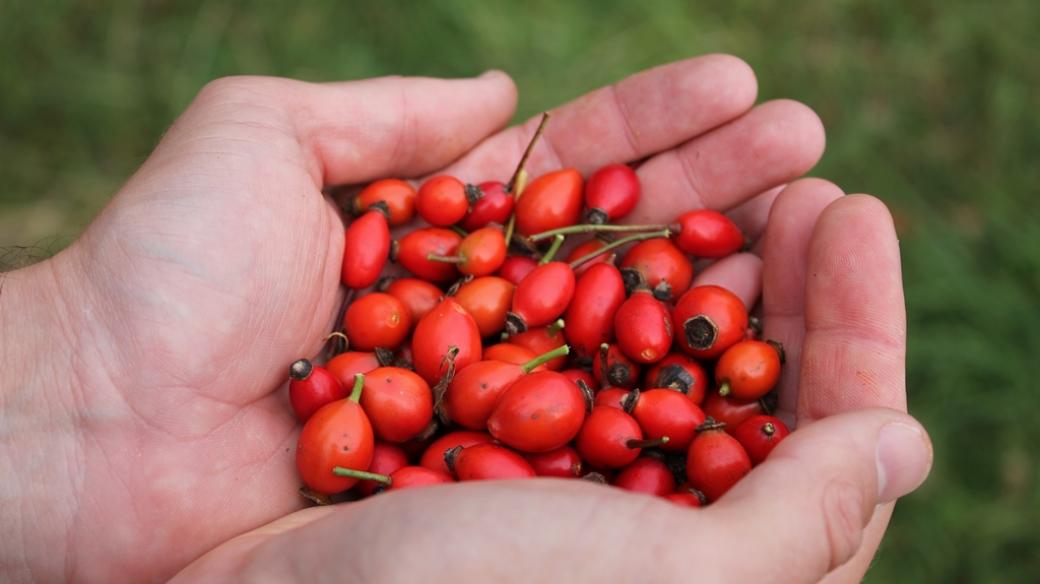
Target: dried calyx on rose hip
[535, 335]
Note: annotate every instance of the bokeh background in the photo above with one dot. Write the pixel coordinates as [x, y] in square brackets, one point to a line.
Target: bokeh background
[932, 105]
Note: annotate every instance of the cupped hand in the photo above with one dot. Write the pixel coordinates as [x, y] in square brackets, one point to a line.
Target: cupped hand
[156, 430]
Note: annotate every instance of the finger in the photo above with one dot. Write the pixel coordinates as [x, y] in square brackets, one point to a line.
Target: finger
[854, 569]
[752, 216]
[739, 273]
[811, 499]
[785, 254]
[854, 351]
[640, 115]
[354, 131]
[774, 143]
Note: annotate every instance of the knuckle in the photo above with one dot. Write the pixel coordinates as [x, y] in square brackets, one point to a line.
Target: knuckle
[843, 515]
[235, 87]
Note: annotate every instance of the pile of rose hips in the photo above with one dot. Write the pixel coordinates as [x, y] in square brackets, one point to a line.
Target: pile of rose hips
[496, 360]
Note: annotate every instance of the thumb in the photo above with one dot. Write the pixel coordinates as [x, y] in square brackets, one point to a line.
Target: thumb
[807, 505]
[350, 131]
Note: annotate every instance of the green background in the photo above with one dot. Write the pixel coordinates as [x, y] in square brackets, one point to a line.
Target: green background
[931, 105]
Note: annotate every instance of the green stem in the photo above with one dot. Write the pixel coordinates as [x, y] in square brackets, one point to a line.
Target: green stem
[724, 389]
[445, 259]
[545, 358]
[591, 228]
[618, 243]
[556, 327]
[459, 230]
[551, 252]
[360, 474]
[359, 384]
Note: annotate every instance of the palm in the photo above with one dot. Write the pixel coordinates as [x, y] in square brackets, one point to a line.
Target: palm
[225, 267]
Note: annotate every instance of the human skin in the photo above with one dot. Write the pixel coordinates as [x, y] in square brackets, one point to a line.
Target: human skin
[142, 422]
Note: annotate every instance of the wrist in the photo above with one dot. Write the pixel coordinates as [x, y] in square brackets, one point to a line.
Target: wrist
[39, 448]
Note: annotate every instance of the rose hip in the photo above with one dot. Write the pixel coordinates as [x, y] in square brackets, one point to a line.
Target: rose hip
[398, 402]
[493, 206]
[715, 461]
[647, 475]
[562, 462]
[660, 266]
[311, 387]
[748, 370]
[377, 320]
[537, 413]
[598, 294]
[337, 435]
[612, 367]
[487, 300]
[541, 297]
[759, 435]
[611, 193]
[666, 412]
[677, 371]
[708, 234]
[414, 249]
[444, 200]
[446, 327]
[433, 457]
[552, 200]
[708, 320]
[487, 462]
[397, 195]
[643, 327]
[366, 249]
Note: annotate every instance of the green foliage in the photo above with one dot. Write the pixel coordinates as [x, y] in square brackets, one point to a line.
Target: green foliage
[930, 105]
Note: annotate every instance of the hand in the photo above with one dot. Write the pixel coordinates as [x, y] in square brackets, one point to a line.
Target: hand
[151, 351]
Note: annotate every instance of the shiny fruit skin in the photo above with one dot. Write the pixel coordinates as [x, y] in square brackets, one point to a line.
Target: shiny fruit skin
[482, 252]
[491, 462]
[511, 353]
[318, 388]
[708, 320]
[448, 325]
[495, 206]
[759, 435]
[612, 397]
[538, 412]
[613, 367]
[646, 475]
[433, 456]
[685, 499]
[408, 477]
[473, 393]
[552, 200]
[377, 320]
[643, 328]
[516, 268]
[542, 340]
[598, 294]
[708, 234]
[587, 248]
[660, 265]
[613, 190]
[338, 434]
[386, 458]
[603, 439]
[418, 296]
[398, 195]
[413, 249]
[366, 249]
[584, 376]
[544, 294]
[345, 365]
[442, 201]
[398, 402]
[562, 462]
[749, 369]
[730, 412]
[715, 462]
[487, 299]
[680, 372]
[666, 412]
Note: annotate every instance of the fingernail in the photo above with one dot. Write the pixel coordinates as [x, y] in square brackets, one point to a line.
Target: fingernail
[904, 457]
[491, 73]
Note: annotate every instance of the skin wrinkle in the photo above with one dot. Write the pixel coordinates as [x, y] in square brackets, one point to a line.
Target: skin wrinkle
[627, 130]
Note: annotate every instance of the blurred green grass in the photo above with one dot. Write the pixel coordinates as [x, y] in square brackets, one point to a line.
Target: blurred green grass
[931, 105]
